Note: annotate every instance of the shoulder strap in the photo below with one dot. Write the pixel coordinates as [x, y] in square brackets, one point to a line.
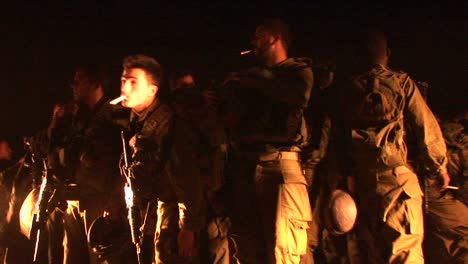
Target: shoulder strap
[396, 125]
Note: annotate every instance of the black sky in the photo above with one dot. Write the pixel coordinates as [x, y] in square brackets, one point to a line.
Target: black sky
[40, 44]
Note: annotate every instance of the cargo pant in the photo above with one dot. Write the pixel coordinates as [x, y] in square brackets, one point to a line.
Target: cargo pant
[67, 236]
[167, 229]
[276, 229]
[390, 218]
[219, 242]
[446, 237]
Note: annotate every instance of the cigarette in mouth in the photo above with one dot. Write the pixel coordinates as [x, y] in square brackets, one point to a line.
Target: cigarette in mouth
[117, 100]
[245, 52]
[453, 187]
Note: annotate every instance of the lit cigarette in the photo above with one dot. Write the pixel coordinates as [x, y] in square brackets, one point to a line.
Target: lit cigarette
[117, 100]
[245, 52]
[453, 187]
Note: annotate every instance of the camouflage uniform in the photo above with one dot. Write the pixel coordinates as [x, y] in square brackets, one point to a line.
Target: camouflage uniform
[89, 143]
[97, 173]
[189, 105]
[319, 125]
[166, 173]
[271, 207]
[390, 218]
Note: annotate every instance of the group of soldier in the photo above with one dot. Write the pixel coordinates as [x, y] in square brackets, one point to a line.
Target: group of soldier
[242, 172]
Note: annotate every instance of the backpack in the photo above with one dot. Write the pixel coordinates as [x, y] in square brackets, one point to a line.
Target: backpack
[381, 96]
[379, 103]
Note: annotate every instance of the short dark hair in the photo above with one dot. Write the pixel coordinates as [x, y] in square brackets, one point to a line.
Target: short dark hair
[148, 64]
[96, 74]
[371, 43]
[279, 27]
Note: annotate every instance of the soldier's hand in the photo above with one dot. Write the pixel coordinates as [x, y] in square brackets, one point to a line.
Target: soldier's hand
[132, 142]
[58, 111]
[443, 181]
[309, 174]
[140, 143]
[351, 184]
[185, 240]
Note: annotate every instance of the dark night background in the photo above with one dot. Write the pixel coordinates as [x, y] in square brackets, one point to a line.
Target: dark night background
[40, 44]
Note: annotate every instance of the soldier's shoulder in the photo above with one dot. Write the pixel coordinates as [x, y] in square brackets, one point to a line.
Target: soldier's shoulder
[298, 63]
[304, 61]
[386, 72]
[165, 110]
[397, 71]
[160, 117]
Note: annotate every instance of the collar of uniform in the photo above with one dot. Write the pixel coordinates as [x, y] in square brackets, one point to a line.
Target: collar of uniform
[143, 115]
[379, 66]
[281, 64]
[100, 104]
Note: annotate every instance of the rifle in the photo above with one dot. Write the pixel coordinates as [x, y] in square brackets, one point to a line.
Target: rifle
[134, 217]
[50, 196]
[39, 220]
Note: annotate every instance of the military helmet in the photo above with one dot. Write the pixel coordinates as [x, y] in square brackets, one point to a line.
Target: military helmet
[104, 231]
[340, 212]
[107, 237]
[27, 212]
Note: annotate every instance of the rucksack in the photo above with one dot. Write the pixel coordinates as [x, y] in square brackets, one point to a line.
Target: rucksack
[378, 112]
[381, 96]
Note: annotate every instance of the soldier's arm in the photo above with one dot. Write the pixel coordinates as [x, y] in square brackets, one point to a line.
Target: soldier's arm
[427, 130]
[148, 150]
[186, 175]
[186, 183]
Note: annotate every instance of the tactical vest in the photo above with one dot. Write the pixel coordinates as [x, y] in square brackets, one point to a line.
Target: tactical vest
[150, 163]
[270, 121]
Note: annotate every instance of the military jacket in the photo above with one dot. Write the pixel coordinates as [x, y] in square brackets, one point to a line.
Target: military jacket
[163, 161]
[414, 113]
[272, 100]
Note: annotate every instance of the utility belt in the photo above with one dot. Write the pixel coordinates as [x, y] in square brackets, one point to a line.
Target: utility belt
[279, 155]
[372, 175]
[401, 169]
[383, 169]
[395, 170]
[267, 152]
[390, 180]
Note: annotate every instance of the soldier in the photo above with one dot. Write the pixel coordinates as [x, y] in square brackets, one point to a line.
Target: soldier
[188, 102]
[83, 158]
[270, 208]
[96, 134]
[22, 175]
[446, 218]
[378, 103]
[456, 139]
[161, 168]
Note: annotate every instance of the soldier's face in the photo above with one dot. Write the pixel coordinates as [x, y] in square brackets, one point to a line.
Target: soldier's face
[81, 86]
[262, 42]
[183, 82]
[139, 92]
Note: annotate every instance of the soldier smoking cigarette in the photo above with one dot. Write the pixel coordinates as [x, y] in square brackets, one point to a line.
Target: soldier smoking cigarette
[117, 100]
